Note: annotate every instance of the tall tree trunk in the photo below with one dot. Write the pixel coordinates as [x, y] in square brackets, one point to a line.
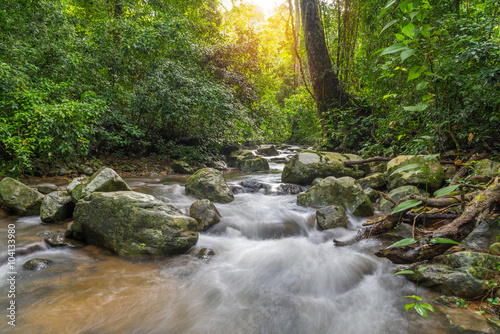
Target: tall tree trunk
[296, 61]
[118, 8]
[326, 86]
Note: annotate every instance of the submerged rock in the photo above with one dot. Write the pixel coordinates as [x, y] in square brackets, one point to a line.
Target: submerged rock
[426, 173]
[104, 180]
[343, 192]
[56, 207]
[205, 213]
[289, 189]
[130, 223]
[37, 264]
[304, 167]
[209, 183]
[20, 198]
[331, 217]
[250, 186]
[205, 253]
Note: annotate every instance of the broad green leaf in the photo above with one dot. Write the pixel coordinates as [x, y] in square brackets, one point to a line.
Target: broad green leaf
[430, 156]
[422, 85]
[425, 30]
[405, 168]
[400, 37]
[421, 310]
[443, 241]
[413, 14]
[428, 306]
[421, 106]
[431, 74]
[406, 6]
[446, 190]
[409, 30]
[387, 26]
[414, 297]
[411, 203]
[416, 72]
[407, 53]
[404, 242]
[422, 269]
[404, 272]
[386, 8]
[409, 306]
[394, 48]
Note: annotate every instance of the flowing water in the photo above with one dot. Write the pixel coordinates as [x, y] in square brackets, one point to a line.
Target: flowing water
[272, 272]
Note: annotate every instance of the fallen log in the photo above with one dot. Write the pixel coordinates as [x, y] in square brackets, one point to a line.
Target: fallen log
[431, 216]
[459, 229]
[375, 159]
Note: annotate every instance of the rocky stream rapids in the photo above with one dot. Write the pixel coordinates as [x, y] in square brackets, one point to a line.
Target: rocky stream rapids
[273, 272]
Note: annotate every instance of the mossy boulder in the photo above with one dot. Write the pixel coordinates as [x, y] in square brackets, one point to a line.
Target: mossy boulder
[396, 195]
[208, 183]
[20, 198]
[182, 167]
[56, 207]
[488, 168]
[331, 217]
[372, 194]
[304, 167]
[130, 223]
[462, 274]
[104, 180]
[422, 172]
[374, 181]
[205, 213]
[343, 192]
[248, 162]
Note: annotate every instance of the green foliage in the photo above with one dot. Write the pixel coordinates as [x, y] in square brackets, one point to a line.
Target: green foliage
[409, 204]
[403, 242]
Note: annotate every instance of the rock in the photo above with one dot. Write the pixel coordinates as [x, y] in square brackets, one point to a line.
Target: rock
[375, 181]
[55, 239]
[494, 323]
[289, 189]
[128, 169]
[56, 207]
[84, 169]
[219, 164]
[205, 253]
[380, 167]
[182, 167]
[372, 194]
[466, 322]
[304, 167]
[482, 236]
[396, 195]
[495, 249]
[205, 213]
[316, 181]
[130, 223]
[37, 264]
[461, 274]
[449, 171]
[331, 217]
[269, 151]
[248, 162]
[343, 192]
[487, 168]
[279, 160]
[62, 171]
[46, 188]
[104, 180]
[426, 174]
[251, 186]
[20, 198]
[210, 184]
[401, 231]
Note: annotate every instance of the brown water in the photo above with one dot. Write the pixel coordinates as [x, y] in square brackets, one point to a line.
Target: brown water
[254, 284]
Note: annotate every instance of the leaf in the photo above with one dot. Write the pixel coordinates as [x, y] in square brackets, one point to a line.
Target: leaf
[443, 241]
[388, 25]
[416, 72]
[430, 156]
[409, 306]
[421, 310]
[422, 85]
[422, 269]
[413, 14]
[386, 8]
[407, 53]
[445, 191]
[404, 242]
[414, 297]
[405, 168]
[409, 30]
[425, 30]
[404, 272]
[394, 48]
[407, 205]
[421, 106]
[428, 306]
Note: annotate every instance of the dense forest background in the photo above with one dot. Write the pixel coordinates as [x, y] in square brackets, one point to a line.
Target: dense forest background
[183, 78]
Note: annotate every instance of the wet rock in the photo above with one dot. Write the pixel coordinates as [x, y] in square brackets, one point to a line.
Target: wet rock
[236, 189]
[494, 323]
[343, 192]
[279, 160]
[463, 321]
[208, 183]
[104, 180]
[205, 213]
[289, 189]
[248, 162]
[205, 253]
[182, 167]
[396, 195]
[304, 167]
[130, 223]
[219, 164]
[37, 264]
[331, 217]
[46, 188]
[55, 239]
[461, 274]
[372, 194]
[20, 198]
[426, 173]
[251, 186]
[56, 207]
[375, 181]
[269, 151]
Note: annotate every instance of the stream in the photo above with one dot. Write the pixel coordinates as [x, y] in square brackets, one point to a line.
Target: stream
[272, 272]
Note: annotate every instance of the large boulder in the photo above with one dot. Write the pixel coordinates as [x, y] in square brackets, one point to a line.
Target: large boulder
[396, 195]
[130, 223]
[344, 192]
[248, 162]
[205, 213]
[304, 167]
[182, 167]
[462, 274]
[374, 181]
[104, 180]
[331, 217]
[20, 198]
[423, 172]
[268, 151]
[56, 207]
[210, 184]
